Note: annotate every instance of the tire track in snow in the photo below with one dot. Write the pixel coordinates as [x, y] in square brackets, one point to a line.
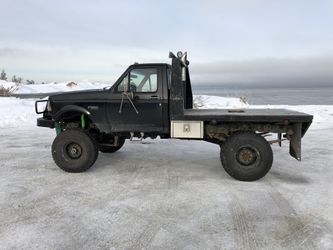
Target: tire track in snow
[146, 237]
[245, 232]
[306, 232]
[303, 232]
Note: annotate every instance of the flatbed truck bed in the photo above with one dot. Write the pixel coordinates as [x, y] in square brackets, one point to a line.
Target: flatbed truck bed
[277, 116]
[247, 115]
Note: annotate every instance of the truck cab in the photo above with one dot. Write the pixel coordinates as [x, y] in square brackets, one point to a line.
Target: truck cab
[138, 101]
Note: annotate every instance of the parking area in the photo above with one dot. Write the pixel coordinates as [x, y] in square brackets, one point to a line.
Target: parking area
[162, 194]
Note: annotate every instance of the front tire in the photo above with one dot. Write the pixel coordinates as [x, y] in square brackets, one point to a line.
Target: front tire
[246, 156]
[74, 151]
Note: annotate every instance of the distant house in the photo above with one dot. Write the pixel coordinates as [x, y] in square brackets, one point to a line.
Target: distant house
[71, 84]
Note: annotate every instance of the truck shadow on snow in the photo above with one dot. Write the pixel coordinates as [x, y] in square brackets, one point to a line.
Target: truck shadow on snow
[204, 167]
[161, 159]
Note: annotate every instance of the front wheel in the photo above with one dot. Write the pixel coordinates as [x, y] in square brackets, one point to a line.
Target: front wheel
[246, 156]
[74, 151]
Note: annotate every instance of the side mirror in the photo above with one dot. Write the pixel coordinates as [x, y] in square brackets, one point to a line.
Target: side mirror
[132, 88]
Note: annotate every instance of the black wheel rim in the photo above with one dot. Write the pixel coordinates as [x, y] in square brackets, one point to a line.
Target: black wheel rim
[247, 156]
[74, 150]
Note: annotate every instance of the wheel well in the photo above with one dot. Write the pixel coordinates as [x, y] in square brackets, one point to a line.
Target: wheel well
[220, 132]
[75, 119]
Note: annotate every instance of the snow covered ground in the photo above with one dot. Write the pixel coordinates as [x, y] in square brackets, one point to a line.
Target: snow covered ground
[7, 85]
[50, 87]
[57, 87]
[164, 194]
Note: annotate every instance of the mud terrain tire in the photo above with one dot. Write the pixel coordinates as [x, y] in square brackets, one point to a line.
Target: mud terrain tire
[74, 151]
[246, 156]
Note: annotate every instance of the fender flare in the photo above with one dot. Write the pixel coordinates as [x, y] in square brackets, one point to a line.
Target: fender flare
[71, 108]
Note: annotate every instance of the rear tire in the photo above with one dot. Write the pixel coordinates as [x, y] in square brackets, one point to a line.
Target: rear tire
[112, 149]
[246, 156]
[74, 151]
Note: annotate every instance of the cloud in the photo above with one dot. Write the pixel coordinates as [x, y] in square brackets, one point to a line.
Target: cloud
[82, 39]
[10, 52]
[59, 63]
[306, 71]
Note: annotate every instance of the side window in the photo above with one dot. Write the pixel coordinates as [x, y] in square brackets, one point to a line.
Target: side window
[123, 86]
[143, 80]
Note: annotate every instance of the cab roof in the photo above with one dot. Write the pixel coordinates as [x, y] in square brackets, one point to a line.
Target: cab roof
[151, 64]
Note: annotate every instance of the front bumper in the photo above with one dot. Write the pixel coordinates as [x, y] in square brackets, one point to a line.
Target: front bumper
[45, 122]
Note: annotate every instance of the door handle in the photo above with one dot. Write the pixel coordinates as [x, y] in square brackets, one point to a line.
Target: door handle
[155, 97]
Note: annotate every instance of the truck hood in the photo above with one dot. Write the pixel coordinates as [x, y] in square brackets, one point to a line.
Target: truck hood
[80, 95]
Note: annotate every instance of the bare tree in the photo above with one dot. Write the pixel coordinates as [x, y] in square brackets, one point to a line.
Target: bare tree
[3, 75]
[17, 79]
[14, 79]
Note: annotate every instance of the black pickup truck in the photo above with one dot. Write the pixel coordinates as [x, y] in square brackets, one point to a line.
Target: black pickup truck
[151, 100]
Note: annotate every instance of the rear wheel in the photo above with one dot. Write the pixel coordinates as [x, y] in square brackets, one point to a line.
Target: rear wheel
[112, 149]
[74, 151]
[246, 156]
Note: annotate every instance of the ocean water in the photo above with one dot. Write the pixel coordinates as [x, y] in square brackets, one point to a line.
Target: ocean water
[274, 96]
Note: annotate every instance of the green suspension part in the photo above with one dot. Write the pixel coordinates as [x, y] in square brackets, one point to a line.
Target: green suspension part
[83, 122]
[57, 128]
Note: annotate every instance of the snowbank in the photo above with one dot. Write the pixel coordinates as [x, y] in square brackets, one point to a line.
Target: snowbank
[57, 87]
[8, 85]
[217, 102]
[50, 87]
[17, 112]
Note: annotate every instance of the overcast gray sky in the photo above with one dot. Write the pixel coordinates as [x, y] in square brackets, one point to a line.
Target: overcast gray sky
[240, 41]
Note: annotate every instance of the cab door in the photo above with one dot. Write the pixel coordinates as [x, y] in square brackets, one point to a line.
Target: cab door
[135, 104]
